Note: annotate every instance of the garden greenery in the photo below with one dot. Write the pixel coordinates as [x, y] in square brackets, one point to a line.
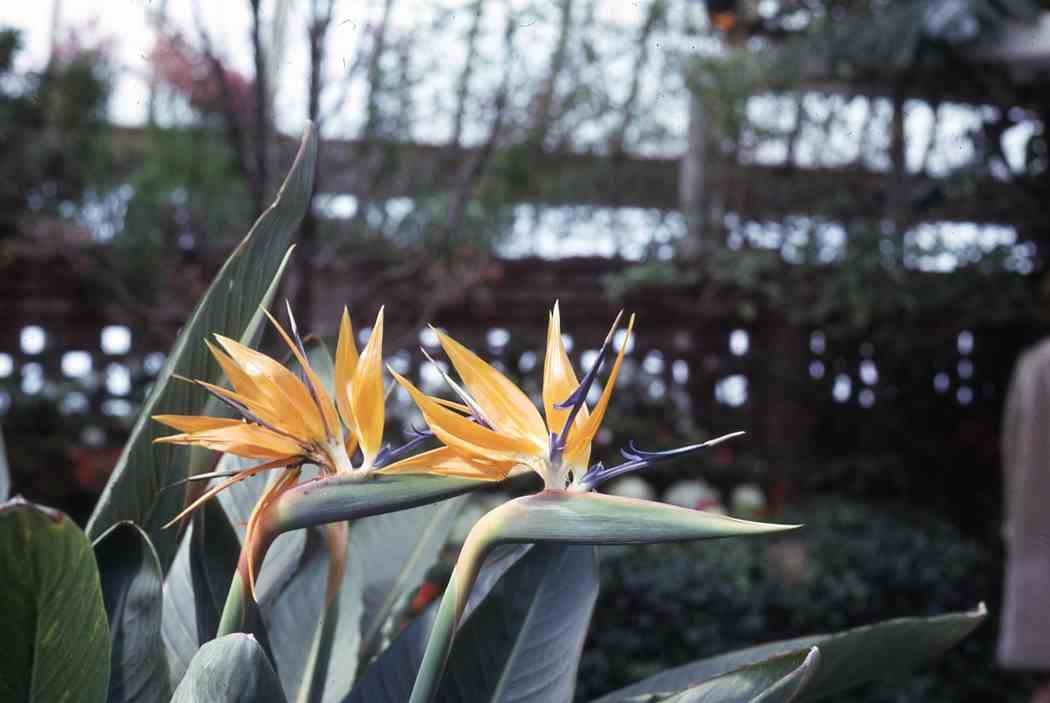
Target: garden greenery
[297, 588]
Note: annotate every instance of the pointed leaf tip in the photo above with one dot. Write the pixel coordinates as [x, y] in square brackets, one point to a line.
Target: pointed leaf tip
[594, 518]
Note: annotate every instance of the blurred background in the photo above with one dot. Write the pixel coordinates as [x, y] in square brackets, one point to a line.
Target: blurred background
[828, 215]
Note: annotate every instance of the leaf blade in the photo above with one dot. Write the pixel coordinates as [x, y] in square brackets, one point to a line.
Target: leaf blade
[135, 490]
[51, 586]
[231, 669]
[132, 592]
[848, 658]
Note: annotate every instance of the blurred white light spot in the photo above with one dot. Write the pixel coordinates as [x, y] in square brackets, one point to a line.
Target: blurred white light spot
[594, 393]
[527, 361]
[739, 342]
[869, 373]
[842, 389]
[680, 371]
[816, 369]
[431, 377]
[567, 342]
[965, 342]
[618, 338]
[33, 339]
[363, 334]
[817, 343]
[653, 362]
[118, 379]
[7, 365]
[76, 364]
[941, 382]
[428, 337]
[116, 339]
[587, 359]
[965, 368]
[401, 362]
[93, 436]
[964, 395]
[116, 407]
[657, 389]
[32, 378]
[732, 390]
[153, 363]
[866, 397]
[75, 402]
[497, 337]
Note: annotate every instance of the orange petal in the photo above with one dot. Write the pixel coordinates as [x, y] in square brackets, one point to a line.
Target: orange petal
[321, 405]
[283, 391]
[367, 394]
[579, 437]
[444, 461]
[468, 438]
[242, 439]
[559, 379]
[247, 473]
[504, 404]
[195, 423]
[241, 382]
[345, 365]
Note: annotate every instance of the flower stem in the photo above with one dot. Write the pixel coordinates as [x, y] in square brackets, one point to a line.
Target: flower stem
[453, 603]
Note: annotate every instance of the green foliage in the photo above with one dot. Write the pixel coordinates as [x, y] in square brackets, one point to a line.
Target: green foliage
[54, 620]
[851, 565]
[54, 131]
[131, 588]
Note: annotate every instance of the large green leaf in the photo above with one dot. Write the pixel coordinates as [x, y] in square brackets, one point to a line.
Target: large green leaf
[55, 629]
[394, 553]
[292, 615]
[847, 658]
[136, 490]
[231, 669]
[776, 680]
[131, 591]
[389, 678]
[523, 643]
[196, 588]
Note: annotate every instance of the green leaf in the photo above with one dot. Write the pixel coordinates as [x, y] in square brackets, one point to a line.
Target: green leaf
[389, 678]
[248, 279]
[523, 642]
[394, 551]
[131, 591]
[55, 629]
[231, 669]
[848, 658]
[292, 615]
[196, 588]
[776, 680]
